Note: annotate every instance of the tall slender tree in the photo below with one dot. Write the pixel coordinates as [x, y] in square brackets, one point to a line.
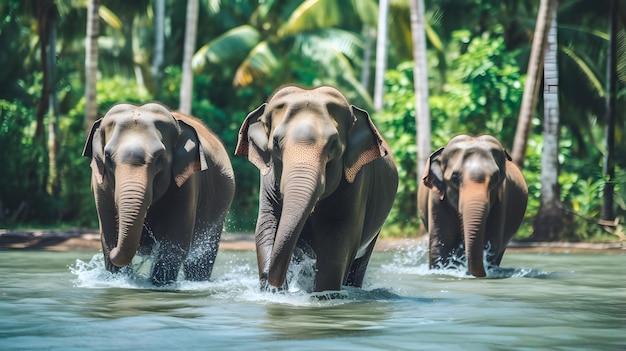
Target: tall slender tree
[551, 221]
[608, 168]
[186, 85]
[159, 43]
[533, 81]
[420, 81]
[381, 54]
[91, 63]
[47, 15]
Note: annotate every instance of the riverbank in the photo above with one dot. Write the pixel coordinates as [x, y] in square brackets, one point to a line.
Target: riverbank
[89, 239]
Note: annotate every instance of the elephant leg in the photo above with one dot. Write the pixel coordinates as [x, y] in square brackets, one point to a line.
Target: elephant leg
[333, 261]
[172, 222]
[200, 261]
[167, 263]
[359, 266]
[445, 235]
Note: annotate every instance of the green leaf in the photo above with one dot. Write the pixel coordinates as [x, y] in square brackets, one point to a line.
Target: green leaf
[235, 44]
[261, 61]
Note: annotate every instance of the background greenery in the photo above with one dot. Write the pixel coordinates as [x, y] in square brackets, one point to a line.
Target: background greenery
[477, 56]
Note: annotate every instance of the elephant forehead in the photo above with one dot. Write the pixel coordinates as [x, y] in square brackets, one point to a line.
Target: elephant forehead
[136, 118]
[318, 98]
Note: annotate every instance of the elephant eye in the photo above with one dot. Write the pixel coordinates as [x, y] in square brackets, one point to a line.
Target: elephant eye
[495, 178]
[276, 149]
[455, 179]
[107, 155]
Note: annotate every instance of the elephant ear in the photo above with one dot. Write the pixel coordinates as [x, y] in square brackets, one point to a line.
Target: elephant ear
[253, 139]
[507, 160]
[94, 141]
[189, 155]
[365, 144]
[433, 174]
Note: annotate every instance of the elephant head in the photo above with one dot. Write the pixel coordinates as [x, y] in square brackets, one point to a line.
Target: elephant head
[469, 174]
[305, 143]
[137, 153]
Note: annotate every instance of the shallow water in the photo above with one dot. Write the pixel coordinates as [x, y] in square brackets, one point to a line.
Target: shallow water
[66, 300]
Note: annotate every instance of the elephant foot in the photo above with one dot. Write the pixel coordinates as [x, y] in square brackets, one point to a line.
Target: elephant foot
[264, 285]
[159, 281]
[110, 267]
[328, 295]
[163, 275]
[198, 272]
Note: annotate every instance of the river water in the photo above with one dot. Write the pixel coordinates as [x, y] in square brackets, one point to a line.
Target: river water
[67, 301]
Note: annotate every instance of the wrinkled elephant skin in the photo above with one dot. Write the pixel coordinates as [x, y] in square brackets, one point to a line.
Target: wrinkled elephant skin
[163, 184]
[472, 195]
[328, 182]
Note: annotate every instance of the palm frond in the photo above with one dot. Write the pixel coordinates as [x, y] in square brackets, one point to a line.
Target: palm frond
[312, 14]
[367, 11]
[320, 43]
[261, 62]
[109, 17]
[587, 71]
[233, 45]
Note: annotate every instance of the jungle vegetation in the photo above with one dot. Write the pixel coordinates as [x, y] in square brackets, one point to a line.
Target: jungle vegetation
[478, 55]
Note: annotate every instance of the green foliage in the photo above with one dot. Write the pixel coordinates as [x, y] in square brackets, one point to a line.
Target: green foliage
[397, 124]
[218, 110]
[481, 97]
[18, 198]
[581, 190]
[476, 53]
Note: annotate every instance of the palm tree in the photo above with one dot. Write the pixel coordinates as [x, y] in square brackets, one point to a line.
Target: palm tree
[186, 85]
[159, 29]
[91, 63]
[551, 223]
[611, 90]
[317, 43]
[47, 15]
[381, 54]
[533, 81]
[420, 81]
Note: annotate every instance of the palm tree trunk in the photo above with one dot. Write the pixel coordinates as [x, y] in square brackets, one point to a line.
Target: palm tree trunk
[91, 63]
[157, 62]
[52, 185]
[533, 81]
[608, 168]
[420, 81]
[550, 222]
[46, 23]
[186, 85]
[381, 55]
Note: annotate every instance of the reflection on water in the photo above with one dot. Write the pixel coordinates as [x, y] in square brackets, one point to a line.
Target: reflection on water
[67, 300]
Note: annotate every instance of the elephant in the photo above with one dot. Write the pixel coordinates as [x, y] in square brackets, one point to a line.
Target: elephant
[328, 181]
[163, 184]
[472, 195]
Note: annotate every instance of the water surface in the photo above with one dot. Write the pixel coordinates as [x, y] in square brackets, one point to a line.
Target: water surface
[67, 301]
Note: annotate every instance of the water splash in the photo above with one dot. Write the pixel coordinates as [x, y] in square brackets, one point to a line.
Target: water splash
[415, 261]
[234, 279]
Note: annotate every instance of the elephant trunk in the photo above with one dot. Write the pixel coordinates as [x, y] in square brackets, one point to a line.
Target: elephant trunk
[302, 188]
[474, 212]
[132, 203]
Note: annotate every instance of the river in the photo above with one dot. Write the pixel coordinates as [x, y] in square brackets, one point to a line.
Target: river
[67, 301]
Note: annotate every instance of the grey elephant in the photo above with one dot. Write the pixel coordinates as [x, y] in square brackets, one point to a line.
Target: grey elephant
[328, 181]
[472, 195]
[163, 184]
